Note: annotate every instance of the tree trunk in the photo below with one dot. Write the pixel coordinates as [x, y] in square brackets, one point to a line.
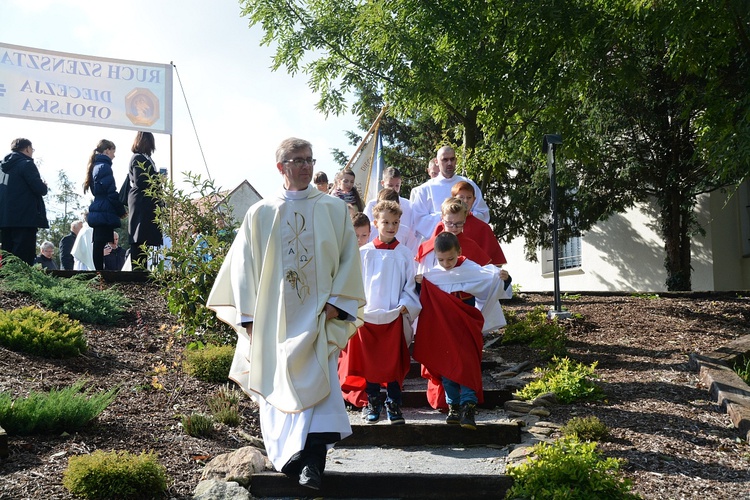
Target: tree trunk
[675, 223]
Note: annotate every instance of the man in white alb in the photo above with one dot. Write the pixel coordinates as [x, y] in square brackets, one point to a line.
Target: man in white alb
[291, 286]
[427, 199]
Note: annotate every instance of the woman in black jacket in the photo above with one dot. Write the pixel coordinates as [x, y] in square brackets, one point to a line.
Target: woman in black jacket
[142, 227]
[106, 210]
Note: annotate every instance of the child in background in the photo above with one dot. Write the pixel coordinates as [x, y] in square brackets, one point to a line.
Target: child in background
[405, 235]
[345, 189]
[459, 302]
[475, 228]
[320, 179]
[378, 354]
[362, 228]
[453, 217]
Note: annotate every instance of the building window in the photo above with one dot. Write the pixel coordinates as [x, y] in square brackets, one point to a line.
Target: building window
[569, 256]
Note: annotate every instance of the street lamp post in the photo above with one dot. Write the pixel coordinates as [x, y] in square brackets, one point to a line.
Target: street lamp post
[549, 145]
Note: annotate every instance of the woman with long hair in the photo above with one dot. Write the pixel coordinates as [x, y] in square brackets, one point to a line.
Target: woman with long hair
[106, 210]
[142, 227]
[347, 191]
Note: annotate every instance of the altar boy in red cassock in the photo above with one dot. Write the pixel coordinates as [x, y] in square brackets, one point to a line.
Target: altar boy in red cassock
[454, 214]
[459, 302]
[378, 354]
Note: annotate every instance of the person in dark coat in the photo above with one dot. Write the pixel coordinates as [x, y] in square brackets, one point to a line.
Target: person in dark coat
[66, 246]
[22, 209]
[46, 251]
[106, 210]
[142, 227]
[114, 255]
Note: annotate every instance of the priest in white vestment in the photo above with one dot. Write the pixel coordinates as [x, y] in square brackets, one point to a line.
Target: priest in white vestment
[427, 198]
[291, 286]
[83, 249]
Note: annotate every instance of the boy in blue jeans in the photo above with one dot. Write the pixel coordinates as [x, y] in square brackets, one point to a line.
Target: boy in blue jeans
[459, 302]
[378, 354]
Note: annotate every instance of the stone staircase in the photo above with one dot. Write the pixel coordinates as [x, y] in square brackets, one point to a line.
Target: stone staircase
[425, 458]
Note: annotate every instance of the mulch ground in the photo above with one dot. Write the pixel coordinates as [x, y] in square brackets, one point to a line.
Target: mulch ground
[676, 442]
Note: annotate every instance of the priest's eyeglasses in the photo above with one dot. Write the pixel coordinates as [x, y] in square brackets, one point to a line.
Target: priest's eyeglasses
[299, 162]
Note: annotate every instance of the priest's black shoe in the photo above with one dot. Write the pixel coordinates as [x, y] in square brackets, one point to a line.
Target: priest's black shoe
[311, 477]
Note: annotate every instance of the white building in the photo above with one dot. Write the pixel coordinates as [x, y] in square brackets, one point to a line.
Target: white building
[626, 253]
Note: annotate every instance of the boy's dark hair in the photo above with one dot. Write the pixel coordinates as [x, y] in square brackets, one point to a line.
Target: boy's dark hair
[445, 242]
[388, 194]
[386, 206]
[359, 219]
[320, 177]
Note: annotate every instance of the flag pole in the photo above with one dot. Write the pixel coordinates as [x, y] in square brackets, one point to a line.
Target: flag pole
[374, 126]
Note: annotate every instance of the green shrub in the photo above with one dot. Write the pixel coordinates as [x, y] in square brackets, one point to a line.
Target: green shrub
[208, 363]
[225, 405]
[77, 297]
[586, 429]
[199, 244]
[40, 332]
[538, 331]
[568, 469]
[116, 474]
[569, 381]
[743, 369]
[69, 409]
[198, 425]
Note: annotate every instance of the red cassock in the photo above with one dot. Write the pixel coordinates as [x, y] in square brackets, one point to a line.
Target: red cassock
[481, 233]
[376, 353]
[448, 342]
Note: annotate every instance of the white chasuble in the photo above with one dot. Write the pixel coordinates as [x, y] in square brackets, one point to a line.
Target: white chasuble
[293, 254]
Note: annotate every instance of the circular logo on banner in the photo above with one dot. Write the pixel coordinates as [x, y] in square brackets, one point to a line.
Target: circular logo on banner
[142, 107]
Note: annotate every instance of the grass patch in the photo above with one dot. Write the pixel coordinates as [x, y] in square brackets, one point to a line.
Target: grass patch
[43, 333]
[60, 410]
[743, 369]
[77, 297]
[537, 331]
[568, 468]
[209, 363]
[570, 381]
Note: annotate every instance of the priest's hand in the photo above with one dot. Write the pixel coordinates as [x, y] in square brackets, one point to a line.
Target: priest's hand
[504, 275]
[249, 330]
[331, 312]
[418, 278]
[403, 310]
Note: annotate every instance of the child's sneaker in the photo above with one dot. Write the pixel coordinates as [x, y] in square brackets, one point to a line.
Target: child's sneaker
[467, 416]
[374, 407]
[394, 413]
[453, 418]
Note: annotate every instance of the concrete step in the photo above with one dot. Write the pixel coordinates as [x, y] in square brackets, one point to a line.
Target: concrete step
[428, 434]
[415, 370]
[384, 485]
[492, 398]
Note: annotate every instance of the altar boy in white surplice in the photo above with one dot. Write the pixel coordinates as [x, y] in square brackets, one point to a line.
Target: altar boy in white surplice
[291, 286]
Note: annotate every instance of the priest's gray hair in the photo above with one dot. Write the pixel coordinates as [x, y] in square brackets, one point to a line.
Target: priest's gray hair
[291, 145]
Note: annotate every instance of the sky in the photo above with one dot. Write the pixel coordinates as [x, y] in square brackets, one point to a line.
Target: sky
[241, 109]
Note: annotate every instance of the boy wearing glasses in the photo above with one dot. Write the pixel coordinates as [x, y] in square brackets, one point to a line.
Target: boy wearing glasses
[454, 212]
[476, 229]
[459, 302]
[378, 354]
